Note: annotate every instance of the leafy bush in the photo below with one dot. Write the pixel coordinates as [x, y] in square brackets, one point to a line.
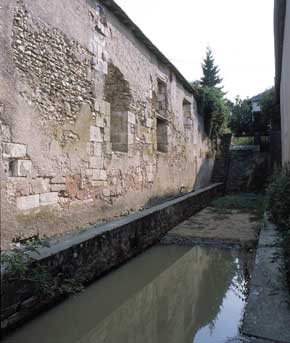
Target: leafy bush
[213, 107]
[20, 266]
[279, 197]
[270, 111]
[241, 119]
[279, 208]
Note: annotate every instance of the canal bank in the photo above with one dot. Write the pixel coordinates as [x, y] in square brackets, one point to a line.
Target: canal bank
[86, 255]
[205, 283]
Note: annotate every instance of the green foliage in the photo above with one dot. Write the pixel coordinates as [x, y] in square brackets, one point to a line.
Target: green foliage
[248, 202]
[278, 193]
[20, 266]
[210, 99]
[279, 208]
[212, 106]
[210, 71]
[241, 119]
[270, 111]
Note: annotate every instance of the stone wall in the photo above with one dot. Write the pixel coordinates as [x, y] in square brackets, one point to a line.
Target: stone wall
[248, 169]
[87, 255]
[285, 89]
[81, 97]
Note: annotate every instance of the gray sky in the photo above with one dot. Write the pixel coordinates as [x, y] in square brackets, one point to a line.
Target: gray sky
[240, 33]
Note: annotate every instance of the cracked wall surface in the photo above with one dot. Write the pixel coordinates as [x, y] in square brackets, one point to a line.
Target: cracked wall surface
[80, 102]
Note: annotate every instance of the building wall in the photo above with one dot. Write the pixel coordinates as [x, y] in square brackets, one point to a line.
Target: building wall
[285, 89]
[73, 81]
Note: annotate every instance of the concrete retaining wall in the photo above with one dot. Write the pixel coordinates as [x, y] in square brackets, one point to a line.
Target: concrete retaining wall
[89, 254]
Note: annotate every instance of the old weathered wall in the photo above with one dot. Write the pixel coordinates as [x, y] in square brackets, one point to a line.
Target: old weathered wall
[92, 125]
[285, 89]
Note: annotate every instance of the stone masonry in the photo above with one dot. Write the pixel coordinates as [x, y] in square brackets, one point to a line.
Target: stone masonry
[94, 122]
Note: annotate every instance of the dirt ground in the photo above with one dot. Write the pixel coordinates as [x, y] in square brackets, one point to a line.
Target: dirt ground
[229, 226]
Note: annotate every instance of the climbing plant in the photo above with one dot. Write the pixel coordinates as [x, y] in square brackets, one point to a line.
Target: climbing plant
[214, 109]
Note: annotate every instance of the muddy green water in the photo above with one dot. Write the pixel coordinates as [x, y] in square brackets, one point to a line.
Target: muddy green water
[168, 294]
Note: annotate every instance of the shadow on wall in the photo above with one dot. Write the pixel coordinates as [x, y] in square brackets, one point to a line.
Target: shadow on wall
[203, 179]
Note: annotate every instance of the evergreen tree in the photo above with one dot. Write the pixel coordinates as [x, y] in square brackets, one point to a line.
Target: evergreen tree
[210, 71]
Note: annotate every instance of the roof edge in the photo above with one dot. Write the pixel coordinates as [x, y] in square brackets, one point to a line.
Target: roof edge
[279, 27]
[124, 19]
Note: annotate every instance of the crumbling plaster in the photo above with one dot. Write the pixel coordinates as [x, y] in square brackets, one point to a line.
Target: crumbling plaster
[58, 169]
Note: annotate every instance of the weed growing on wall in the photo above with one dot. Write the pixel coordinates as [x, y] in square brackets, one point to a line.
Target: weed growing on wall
[19, 266]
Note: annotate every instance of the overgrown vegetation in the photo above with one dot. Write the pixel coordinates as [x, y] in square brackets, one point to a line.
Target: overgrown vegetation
[213, 108]
[210, 98]
[270, 111]
[20, 266]
[241, 119]
[278, 207]
[244, 121]
[244, 202]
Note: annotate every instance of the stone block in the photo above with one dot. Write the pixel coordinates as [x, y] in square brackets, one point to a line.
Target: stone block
[96, 175]
[103, 107]
[50, 198]
[95, 134]
[108, 148]
[105, 68]
[96, 162]
[97, 149]
[57, 187]
[13, 150]
[149, 122]
[97, 106]
[106, 192]
[131, 118]
[98, 183]
[107, 134]
[40, 186]
[100, 122]
[21, 168]
[107, 108]
[58, 179]
[148, 138]
[27, 202]
[130, 138]
[103, 175]
[22, 188]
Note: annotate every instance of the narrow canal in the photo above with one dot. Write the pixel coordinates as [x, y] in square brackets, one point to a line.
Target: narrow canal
[168, 294]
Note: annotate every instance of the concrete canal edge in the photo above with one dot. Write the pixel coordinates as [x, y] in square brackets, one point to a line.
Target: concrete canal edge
[89, 254]
[267, 314]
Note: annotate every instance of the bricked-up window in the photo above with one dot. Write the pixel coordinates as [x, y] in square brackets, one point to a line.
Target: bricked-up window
[119, 131]
[162, 102]
[187, 118]
[162, 135]
[186, 108]
[118, 94]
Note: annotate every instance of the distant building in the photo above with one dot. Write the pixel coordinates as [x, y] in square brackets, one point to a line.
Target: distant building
[256, 101]
[282, 79]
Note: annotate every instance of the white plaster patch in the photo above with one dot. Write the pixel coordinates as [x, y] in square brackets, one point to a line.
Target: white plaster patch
[27, 202]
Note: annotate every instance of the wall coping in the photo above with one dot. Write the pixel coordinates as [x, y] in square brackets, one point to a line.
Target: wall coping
[75, 238]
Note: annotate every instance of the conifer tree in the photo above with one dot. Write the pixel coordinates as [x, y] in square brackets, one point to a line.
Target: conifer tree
[210, 71]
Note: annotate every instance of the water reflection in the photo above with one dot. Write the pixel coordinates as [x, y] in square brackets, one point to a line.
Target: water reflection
[168, 294]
